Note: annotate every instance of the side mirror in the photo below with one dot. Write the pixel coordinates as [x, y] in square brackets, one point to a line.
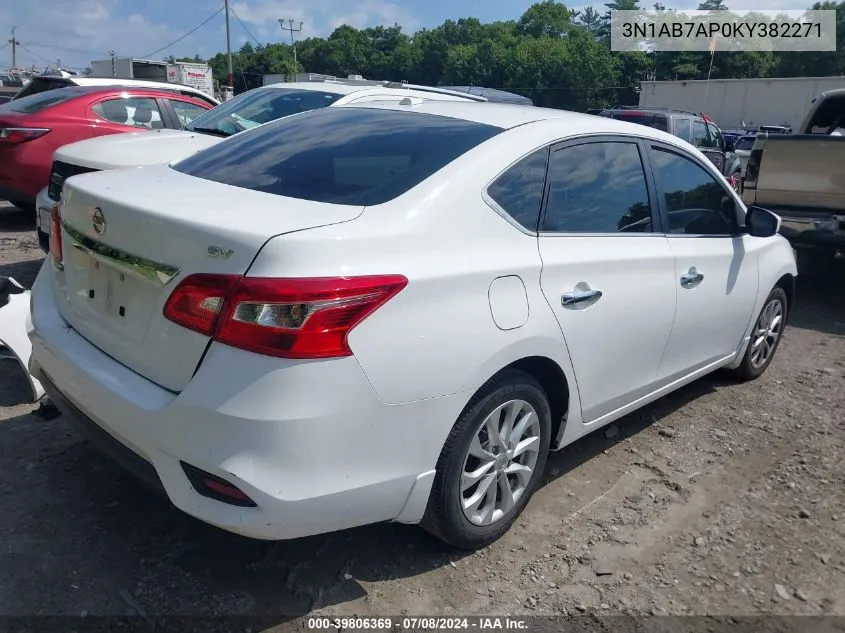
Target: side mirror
[729, 146]
[760, 222]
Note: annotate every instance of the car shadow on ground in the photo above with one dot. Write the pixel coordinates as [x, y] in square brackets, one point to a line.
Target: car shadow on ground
[82, 517]
[820, 300]
[15, 219]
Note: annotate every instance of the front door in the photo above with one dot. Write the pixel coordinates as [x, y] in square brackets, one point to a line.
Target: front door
[715, 267]
[608, 272]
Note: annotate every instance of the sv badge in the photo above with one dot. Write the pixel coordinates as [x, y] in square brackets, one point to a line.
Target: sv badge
[217, 251]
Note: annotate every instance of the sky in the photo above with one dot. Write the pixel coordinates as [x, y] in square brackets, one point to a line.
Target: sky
[78, 31]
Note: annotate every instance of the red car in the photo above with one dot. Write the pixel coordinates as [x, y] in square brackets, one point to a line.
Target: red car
[33, 127]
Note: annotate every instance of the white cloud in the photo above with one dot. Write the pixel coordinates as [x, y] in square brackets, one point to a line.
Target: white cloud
[79, 31]
[321, 17]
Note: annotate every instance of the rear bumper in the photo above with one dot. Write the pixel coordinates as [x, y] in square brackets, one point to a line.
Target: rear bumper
[43, 205]
[309, 443]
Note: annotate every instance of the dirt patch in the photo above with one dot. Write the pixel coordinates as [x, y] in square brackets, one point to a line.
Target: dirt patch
[719, 499]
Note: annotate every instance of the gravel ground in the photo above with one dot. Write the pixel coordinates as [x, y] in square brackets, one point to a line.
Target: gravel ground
[721, 499]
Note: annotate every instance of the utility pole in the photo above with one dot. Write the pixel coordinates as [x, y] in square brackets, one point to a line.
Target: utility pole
[15, 43]
[230, 76]
[292, 30]
[113, 64]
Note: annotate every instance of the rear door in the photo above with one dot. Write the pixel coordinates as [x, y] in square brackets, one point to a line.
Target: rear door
[608, 272]
[704, 137]
[715, 267]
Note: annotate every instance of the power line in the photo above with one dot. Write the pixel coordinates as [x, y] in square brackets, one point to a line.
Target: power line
[193, 30]
[41, 57]
[69, 50]
[255, 39]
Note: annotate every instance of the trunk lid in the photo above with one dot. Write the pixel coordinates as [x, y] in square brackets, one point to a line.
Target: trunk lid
[130, 236]
[138, 149]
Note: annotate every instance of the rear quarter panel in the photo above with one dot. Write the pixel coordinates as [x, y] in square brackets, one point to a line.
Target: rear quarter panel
[437, 337]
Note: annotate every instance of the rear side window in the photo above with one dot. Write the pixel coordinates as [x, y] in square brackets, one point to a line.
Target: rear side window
[343, 156]
[682, 129]
[519, 191]
[41, 101]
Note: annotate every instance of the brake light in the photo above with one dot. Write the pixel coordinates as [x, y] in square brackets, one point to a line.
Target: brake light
[286, 318]
[12, 135]
[56, 232]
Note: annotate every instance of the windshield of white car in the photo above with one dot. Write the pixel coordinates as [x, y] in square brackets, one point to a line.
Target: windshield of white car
[258, 106]
[354, 156]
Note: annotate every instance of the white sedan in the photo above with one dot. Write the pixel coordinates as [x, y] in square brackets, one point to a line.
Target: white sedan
[392, 312]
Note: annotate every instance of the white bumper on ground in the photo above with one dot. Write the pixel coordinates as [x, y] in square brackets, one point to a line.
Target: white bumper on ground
[309, 442]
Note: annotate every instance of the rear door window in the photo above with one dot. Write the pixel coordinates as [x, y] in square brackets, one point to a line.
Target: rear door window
[141, 112]
[682, 128]
[352, 156]
[699, 134]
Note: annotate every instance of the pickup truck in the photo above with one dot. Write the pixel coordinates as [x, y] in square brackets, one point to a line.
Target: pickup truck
[801, 178]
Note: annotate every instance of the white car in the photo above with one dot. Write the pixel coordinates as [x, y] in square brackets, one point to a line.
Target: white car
[393, 311]
[245, 111]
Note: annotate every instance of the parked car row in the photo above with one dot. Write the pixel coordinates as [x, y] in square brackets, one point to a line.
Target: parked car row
[321, 306]
[179, 135]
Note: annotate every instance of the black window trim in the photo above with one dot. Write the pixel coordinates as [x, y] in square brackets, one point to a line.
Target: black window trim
[491, 202]
[708, 167]
[657, 217]
[168, 116]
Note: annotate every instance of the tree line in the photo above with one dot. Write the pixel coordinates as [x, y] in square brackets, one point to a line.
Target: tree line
[558, 57]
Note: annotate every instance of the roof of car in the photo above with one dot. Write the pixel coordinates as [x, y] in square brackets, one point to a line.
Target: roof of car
[110, 81]
[506, 116]
[342, 88]
[85, 90]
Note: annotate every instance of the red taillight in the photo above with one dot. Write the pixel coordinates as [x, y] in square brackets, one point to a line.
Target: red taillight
[197, 301]
[56, 233]
[287, 318]
[13, 135]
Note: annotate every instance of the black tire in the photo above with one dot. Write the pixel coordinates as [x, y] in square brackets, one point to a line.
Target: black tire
[444, 517]
[748, 370]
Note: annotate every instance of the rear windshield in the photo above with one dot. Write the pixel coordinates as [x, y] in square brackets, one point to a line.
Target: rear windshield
[43, 84]
[41, 101]
[353, 156]
[657, 121]
[745, 143]
[255, 107]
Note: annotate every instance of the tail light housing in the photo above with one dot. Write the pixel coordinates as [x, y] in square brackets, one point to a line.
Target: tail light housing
[56, 233]
[286, 318]
[16, 135]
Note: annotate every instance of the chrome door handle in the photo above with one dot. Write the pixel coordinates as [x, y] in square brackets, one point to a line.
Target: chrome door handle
[692, 278]
[579, 296]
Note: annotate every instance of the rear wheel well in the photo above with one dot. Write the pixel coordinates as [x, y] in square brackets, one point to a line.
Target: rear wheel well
[551, 377]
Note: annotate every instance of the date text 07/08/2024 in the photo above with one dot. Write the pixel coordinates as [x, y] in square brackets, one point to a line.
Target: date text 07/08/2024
[409, 623]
